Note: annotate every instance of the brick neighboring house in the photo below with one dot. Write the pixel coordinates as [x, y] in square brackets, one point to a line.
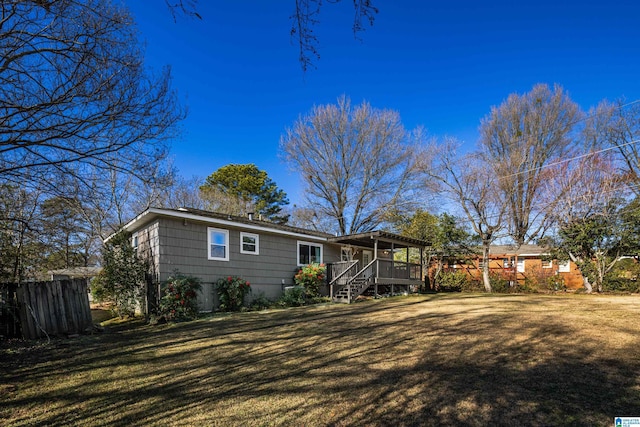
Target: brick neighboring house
[524, 264]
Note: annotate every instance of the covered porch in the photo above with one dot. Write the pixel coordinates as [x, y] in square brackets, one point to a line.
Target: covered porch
[369, 265]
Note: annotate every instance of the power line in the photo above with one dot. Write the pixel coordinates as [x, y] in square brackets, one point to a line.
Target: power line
[591, 153]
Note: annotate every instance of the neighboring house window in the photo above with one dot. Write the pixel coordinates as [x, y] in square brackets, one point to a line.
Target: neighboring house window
[520, 265]
[346, 254]
[218, 244]
[506, 263]
[309, 253]
[134, 241]
[547, 264]
[249, 243]
[564, 267]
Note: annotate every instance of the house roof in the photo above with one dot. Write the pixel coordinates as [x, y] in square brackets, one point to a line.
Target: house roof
[384, 238]
[522, 250]
[76, 272]
[215, 218]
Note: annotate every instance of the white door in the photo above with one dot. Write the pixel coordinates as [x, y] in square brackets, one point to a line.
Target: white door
[367, 257]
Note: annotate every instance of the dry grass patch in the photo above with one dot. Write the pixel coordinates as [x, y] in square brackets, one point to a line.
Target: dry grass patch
[426, 360]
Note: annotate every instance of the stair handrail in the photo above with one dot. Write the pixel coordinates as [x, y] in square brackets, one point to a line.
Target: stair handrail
[361, 272]
[339, 276]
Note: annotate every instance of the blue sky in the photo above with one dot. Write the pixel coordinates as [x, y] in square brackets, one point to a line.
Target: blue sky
[440, 64]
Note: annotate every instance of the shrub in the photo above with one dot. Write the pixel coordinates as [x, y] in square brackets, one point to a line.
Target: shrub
[179, 298]
[231, 292]
[452, 281]
[260, 302]
[98, 288]
[556, 283]
[294, 296]
[623, 277]
[499, 283]
[123, 281]
[311, 276]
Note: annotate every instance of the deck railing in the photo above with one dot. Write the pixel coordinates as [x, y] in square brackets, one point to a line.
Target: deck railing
[389, 269]
[339, 273]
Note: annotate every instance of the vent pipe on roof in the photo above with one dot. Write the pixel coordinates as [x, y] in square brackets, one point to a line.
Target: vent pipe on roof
[250, 215]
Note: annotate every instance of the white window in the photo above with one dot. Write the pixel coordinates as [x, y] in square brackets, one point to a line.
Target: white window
[309, 253]
[346, 254]
[506, 263]
[249, 243]
[564, 267]
[520, 265]
[547, 264]
[218, 240]
[134, 241]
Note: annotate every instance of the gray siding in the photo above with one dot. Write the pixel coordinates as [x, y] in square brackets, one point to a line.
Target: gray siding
[183, 247]
[148, 247]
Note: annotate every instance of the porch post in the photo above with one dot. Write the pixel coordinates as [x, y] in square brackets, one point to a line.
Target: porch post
[393, 267]
[408, 272]
[375, 256]
[421, 264]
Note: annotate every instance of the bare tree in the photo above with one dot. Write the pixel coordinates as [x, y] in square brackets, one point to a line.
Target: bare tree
[306, 16]
[356, 163]
[184, 192]
[183, 7]
[617, 126]
[472, 187]
[19, 247]
[591, 231]
[522, 140]
[75, 96]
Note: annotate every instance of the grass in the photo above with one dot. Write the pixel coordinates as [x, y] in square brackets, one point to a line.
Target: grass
[513, 360]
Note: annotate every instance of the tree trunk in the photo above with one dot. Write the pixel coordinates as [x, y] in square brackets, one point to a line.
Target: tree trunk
[485, 268]
[587, 284]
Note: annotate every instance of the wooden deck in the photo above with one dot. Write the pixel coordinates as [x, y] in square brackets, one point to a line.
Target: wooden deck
[380, 277]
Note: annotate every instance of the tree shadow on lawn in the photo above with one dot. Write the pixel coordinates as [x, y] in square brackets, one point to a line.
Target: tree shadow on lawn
[414, 361]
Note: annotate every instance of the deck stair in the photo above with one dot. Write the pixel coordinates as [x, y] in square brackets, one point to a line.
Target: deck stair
[355, 285]
[352, 290]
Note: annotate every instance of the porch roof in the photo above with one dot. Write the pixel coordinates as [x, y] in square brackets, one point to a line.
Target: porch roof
[384, 238]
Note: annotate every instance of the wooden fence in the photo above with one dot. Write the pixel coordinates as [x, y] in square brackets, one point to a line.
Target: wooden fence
[60, 307]
[9, 316]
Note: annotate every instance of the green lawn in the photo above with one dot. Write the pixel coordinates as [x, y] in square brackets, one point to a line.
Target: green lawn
[530, 360]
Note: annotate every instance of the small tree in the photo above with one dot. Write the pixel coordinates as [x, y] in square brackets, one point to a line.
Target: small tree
[471, 186]
[123, 274]
[238, 189]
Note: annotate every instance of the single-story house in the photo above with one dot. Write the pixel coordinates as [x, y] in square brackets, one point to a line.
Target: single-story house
[526, 263]
[211, 245]
[74, 273]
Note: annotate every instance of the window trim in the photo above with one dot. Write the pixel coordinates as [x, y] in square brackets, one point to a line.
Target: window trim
[318, 245]
[547, 264]
[244, 234]
[564, 267]
[226, 244]
[346, 253]
[135, 241]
